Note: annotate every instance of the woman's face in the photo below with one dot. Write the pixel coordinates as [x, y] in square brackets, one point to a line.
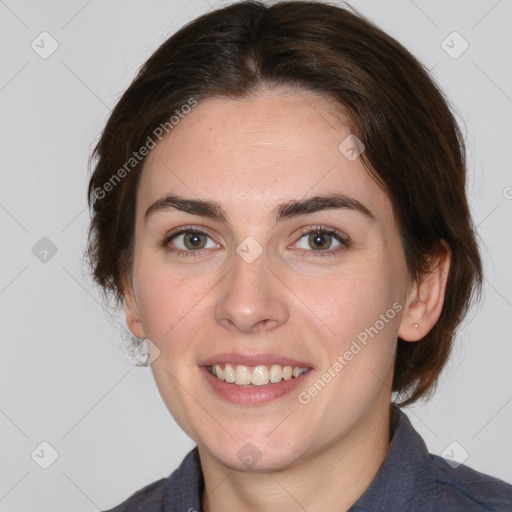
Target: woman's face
[261, 242]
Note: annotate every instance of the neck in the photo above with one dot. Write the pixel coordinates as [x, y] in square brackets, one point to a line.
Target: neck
[333, 478]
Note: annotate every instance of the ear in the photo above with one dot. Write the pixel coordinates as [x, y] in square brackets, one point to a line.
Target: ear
[131, 309]
[425, 298]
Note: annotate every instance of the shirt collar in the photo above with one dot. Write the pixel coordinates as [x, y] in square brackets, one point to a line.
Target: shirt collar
[405, 481]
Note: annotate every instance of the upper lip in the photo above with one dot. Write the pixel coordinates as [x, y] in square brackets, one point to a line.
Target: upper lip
[253, 360]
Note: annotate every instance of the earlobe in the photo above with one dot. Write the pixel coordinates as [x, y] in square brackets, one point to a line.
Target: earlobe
[425, 300]
[131, 310]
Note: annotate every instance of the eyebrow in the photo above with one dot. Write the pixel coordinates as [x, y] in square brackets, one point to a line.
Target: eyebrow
[294, 208]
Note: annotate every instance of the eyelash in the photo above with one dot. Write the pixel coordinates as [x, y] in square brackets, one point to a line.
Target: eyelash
[166, 242]
[342, 239]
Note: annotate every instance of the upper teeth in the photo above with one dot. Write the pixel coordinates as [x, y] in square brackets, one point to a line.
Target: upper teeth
[260, 375]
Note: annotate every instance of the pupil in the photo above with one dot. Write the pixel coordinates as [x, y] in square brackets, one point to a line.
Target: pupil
[320, 241]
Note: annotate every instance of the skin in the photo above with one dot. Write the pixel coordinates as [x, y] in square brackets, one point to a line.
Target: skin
[250, 156]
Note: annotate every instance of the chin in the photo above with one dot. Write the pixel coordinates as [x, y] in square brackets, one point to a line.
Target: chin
[255, 454]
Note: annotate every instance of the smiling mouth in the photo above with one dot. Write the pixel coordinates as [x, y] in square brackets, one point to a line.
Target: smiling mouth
[259, 375]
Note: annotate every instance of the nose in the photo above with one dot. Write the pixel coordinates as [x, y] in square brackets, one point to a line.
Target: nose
[251, 298]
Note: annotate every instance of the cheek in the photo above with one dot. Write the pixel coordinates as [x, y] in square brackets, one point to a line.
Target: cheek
[175, 310]
[164, 299]
[155, 300]
[362, 313]
[351, 299]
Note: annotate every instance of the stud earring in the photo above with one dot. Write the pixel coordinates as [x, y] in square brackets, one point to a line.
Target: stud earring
[415, 325]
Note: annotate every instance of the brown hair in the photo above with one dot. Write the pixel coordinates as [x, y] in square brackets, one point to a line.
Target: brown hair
[414, 148]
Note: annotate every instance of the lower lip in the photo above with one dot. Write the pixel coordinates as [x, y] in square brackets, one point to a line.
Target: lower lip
[252, 395]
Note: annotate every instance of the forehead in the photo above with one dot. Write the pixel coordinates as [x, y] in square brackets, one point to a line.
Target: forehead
[271, 148]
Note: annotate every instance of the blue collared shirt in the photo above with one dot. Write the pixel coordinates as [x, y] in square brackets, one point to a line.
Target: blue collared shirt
[410, 479]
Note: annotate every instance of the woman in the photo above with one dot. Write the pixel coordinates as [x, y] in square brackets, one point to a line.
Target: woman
[279, 202]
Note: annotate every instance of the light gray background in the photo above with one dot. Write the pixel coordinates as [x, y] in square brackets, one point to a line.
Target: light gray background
[64, 378]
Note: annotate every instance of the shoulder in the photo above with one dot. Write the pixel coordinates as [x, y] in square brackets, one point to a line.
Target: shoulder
[464, 488]
[144, 500]
[411, 478]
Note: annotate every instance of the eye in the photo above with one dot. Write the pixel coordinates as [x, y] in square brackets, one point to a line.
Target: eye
[190, 240]
[321, 240]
